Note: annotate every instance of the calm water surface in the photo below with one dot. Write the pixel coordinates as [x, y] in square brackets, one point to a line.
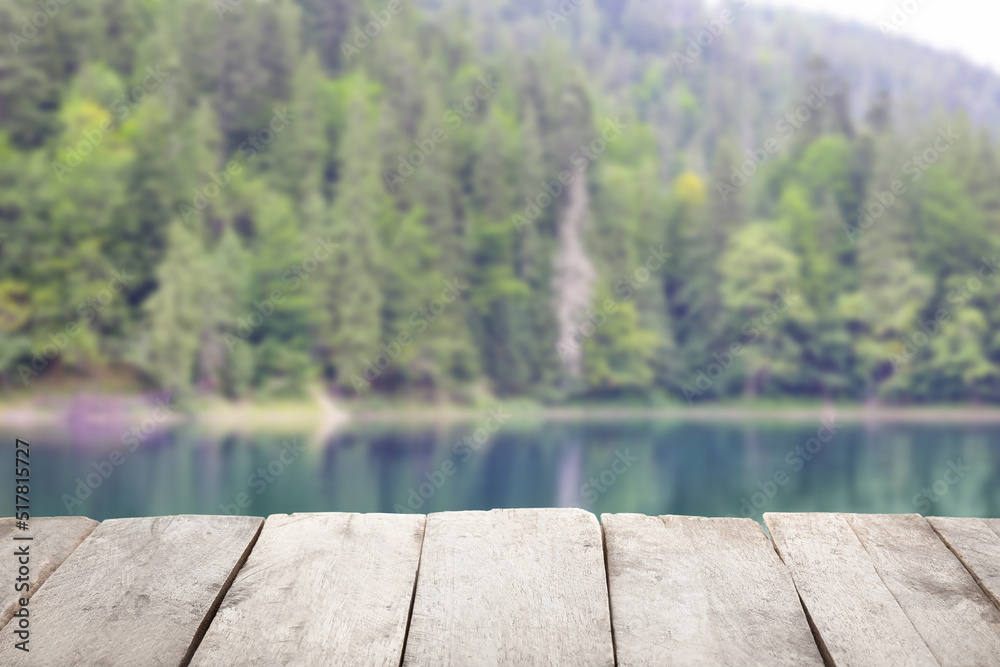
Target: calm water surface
[648, 467]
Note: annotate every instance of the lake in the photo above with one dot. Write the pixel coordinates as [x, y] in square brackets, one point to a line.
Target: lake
[651, 467]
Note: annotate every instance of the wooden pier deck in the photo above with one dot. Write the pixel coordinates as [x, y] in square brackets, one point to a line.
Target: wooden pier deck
[507, 587]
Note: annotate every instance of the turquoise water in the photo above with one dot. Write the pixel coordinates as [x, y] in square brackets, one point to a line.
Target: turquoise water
[645, 466]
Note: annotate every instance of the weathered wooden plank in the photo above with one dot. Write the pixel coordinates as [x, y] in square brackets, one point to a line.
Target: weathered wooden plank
[320, 589]
[136, 592]
[976, 542]
[52, 540]
[511, 587]
[856, 617]
[694, 591]
[955, 618]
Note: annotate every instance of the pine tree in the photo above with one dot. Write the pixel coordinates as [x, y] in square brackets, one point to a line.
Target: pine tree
[175, 315]
[225, 360]
[760, 291]
[351, 297]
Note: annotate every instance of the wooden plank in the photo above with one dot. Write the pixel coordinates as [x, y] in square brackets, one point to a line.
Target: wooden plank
[52, 540]
[330, 589]
[511, 587]
[136, 592]
[976, 542]
[855, 616]
[694, 591]
[956, 619]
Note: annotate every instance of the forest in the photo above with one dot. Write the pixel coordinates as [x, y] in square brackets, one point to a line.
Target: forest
[447, 200]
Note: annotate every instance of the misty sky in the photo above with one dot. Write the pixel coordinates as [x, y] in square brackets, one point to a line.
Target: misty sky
[968, 27]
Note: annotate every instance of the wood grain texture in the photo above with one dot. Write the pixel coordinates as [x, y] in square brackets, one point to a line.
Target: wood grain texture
[856, 617]
[511, 587]
[976, 542]
[53, 539]
[136, 592]
[955, 618]
[320, 589]
[694, 591]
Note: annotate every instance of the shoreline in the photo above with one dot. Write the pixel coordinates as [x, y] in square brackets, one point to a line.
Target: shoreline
[326, 416]
[727, 413]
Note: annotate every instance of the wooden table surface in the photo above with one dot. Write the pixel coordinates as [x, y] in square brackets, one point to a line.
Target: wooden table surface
[506, 587]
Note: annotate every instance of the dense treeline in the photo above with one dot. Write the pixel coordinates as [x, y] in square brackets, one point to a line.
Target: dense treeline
[516, 198]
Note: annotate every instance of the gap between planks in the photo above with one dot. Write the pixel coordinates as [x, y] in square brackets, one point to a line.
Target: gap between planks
[910, 599]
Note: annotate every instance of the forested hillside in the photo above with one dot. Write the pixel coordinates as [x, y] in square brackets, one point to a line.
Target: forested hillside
[452, 199]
